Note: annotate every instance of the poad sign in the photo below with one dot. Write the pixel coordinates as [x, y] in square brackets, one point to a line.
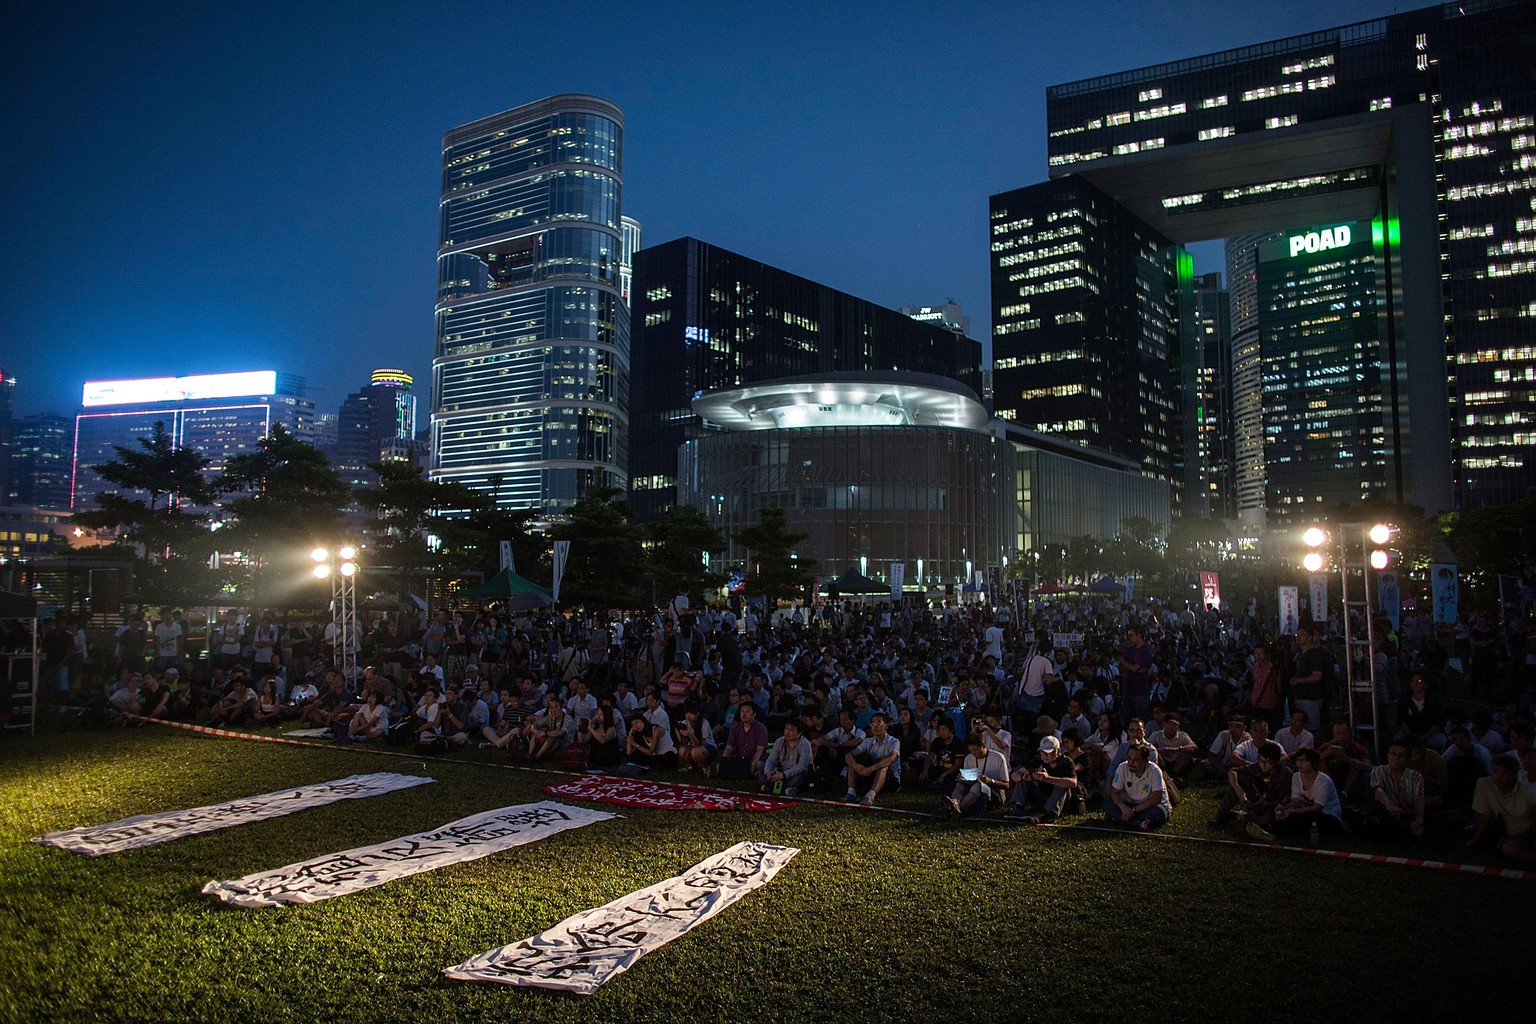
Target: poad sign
[1321, 241]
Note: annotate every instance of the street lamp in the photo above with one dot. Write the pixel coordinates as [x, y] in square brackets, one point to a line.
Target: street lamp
[340, 567]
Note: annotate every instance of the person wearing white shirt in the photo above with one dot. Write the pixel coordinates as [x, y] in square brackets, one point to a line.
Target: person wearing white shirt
[581, 705]
[1314, 801]
[1296, 736]
[985, 789]
[1138, 796]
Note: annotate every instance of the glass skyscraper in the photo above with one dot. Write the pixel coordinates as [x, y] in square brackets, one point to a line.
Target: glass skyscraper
[531, 371]
[1421, 125]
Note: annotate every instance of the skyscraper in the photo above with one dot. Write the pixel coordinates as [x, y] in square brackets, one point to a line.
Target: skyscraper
[373, 419]
[1086, 320]
[1421, 124]
[40, 466]
[707, 318]
[1207, 385]
[531, 371]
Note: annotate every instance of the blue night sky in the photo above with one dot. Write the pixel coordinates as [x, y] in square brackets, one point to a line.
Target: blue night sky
[201, 187]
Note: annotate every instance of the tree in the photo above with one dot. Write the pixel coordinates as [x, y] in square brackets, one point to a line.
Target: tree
[289, 500]
[606, 560]
[1085, 556]
[475, 540]
[774, 574]
[679, 542]
[167, 522]
[1491, 541]
[411, 509]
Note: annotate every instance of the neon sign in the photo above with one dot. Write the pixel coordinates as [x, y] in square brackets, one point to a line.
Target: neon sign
[1321, 241]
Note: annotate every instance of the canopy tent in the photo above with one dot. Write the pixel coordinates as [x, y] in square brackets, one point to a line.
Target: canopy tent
[1105, 585]
[854, 582]
[1054, 589]
[20, 606]
[511, 589]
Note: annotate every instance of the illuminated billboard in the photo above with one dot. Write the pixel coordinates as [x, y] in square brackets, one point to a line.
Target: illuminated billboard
[148, 390]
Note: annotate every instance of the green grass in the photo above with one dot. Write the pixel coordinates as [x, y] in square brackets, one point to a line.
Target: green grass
[881, 916]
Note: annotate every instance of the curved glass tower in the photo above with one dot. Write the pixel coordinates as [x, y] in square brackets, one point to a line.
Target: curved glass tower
[531, 369]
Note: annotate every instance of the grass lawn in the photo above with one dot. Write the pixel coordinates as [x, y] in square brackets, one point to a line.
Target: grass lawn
[880, 917]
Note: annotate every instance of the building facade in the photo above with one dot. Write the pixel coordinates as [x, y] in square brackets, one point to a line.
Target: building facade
[220, 415]
[40, 461]
[707, 318]
[1207, 386]
[1087, 305]
[531, 367]
[375, 422]
[1424, 122]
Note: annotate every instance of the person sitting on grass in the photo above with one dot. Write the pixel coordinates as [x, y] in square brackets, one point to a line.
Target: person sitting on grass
[1314, 800]
[979, 784]
[696, 747]
[1295, 736]
[269, 706]
[1219, 760]
[301, 696]
[788, 763]
[746, 744]
[875, 763]
[157, 697]
[945, 753]
[370, 721]
[605, 736]
[1505, 810]
[1398, 803]
[1137, 793]
[549, 732]
[1247, 752]
[1466, 762]
[835, 746]
[1259, 787]
[236, 706]
[1041, 792]
[649, 742]
[1175, 748]
[1346, 761]
[127, 700]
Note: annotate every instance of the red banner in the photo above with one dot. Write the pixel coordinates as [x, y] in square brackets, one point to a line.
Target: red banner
[661, 796]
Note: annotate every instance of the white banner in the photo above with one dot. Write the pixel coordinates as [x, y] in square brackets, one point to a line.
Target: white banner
[149, 829]
[1290, 610]
[1389, 598]
[1066, 641]
[562, 552]
[508, 563]
[585, 950]
[898, 578]
[1445, 590]
[1317, 597]
[339, 874]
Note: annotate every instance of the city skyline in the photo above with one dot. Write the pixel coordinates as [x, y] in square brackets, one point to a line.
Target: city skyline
[249, 188]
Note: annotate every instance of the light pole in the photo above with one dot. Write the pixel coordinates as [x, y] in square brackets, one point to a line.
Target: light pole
[340, 567]
[1362, 550]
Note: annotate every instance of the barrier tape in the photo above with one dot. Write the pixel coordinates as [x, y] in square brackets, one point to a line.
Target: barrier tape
[1482, 870]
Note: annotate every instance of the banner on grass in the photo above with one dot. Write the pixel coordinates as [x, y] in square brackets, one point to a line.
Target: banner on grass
[582, 952]
[339, 874]
[149, 829]
[660, 796]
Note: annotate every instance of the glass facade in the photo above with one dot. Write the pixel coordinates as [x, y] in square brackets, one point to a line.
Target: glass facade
[378, 418]
[888, 494]
[1060, 497]
[707, 318]
[1207, 377]
[531, 373]
[1428, 119]
[1086, 322]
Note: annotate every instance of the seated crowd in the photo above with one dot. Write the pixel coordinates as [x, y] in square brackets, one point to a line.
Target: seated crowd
[951, 704]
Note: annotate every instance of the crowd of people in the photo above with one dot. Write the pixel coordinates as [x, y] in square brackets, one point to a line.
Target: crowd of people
[980, 708]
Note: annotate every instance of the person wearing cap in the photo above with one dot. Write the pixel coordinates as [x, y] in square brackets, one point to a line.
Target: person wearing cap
[1040, 792]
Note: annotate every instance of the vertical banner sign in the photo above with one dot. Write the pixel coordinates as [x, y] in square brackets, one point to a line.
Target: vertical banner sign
[562, 552]
[994, 584]
[1210, 589]
[1443, 589]
[1317, 597]
[898, 579]
[1290, 609]
[1130, 588]
[1020, 590]
[977, 584]
[1389, 598]
[507, 563]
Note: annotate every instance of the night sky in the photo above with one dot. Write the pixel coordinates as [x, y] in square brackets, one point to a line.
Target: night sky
[201, 187]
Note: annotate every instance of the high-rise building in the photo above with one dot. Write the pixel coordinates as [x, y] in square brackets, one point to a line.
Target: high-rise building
[1086, 320]
[7, 411]
[1207, 386]
[1421, 124]
[531, 372]
[1242, 252]
[950, 316]
[627, 257]
[707, 318]
[40, 468]
[220, 415]
[374, 420]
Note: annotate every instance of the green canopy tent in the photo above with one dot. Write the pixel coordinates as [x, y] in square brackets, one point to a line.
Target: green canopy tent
[20, 606]
[512, 590]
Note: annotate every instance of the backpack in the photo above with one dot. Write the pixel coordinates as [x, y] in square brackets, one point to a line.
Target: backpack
[576, 755]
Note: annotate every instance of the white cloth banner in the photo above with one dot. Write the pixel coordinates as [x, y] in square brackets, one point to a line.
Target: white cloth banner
[149, 829]
[339, 874]
[1317, 597]
[1290, 610]
[562, 554]
[585, 950]
[898, 579]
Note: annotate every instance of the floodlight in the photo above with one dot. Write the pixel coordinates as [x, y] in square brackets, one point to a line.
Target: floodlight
[322, 571]
[347, 552]
[348, 568]
[319, 554]
[1313, 562]
[1315, 537]
[1380, 559]
[1380, 533]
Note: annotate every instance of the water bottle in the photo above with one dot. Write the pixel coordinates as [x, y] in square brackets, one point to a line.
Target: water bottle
[1312, 837]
